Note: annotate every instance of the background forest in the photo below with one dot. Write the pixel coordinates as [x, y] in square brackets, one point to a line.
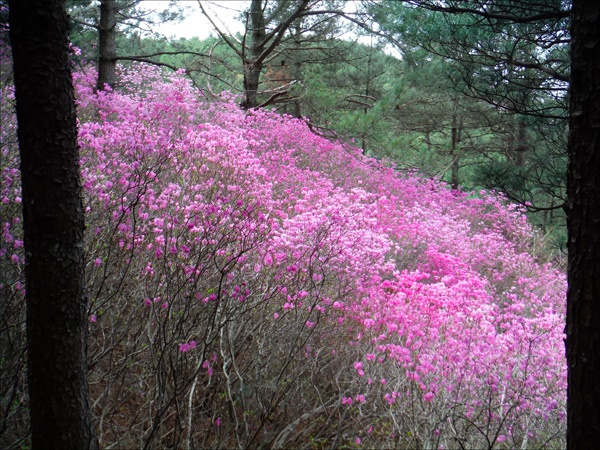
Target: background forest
[299, 239]
[480, 105]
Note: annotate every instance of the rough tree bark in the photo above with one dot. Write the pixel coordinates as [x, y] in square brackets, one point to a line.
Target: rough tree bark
[521, 141]
[456, 133]
[583, 297]
[253, 64]
[53, 226]
[107, 45]
[262, 38]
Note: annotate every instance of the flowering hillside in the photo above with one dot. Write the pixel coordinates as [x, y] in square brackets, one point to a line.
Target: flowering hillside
[252, 283]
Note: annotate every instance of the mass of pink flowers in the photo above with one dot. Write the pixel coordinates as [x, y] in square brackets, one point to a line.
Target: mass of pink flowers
[212, 227]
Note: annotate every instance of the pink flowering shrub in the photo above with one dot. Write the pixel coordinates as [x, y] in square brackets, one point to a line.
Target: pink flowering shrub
[252, 283]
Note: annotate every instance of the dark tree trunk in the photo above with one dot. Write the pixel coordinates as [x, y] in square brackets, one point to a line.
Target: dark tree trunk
[295, 108]
[262, 44]
[252, 63]
[107, 45]
[455, 151]
[53, 226]
[521, 142]
[583, 297]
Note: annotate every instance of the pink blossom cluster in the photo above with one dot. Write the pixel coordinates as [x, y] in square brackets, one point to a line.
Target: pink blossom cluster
[440, 295]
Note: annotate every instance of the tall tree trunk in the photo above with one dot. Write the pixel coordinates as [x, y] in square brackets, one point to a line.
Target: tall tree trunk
[454, 150]
[521, 142]
[262, 44]
[107, 45]
[296, 109]
[363, 137]
[53, 226]
[583, 297]
[252, 65]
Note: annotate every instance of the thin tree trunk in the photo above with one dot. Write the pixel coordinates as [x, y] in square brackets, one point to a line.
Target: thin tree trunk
[107, 45]
[583, 297]
[53, 226]
[252, 65]
[521, 142]
[454, 151]
[296, 109]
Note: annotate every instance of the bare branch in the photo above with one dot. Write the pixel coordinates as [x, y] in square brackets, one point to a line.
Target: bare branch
[228, 39]
[547, 70]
